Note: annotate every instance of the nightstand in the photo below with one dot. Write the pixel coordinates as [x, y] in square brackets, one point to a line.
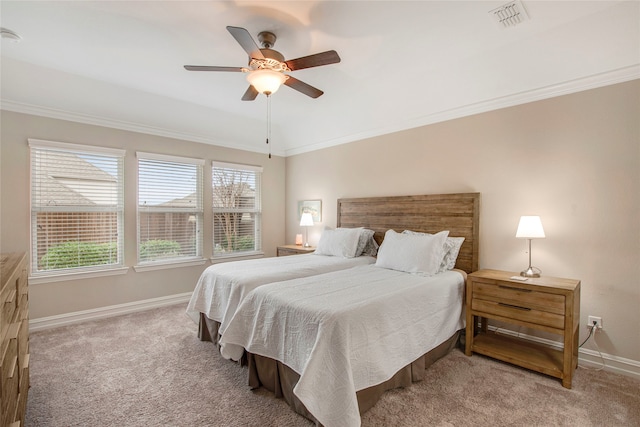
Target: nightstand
[294, 250]
[545, 303]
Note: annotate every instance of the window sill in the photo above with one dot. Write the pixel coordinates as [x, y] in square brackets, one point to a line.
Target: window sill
[237, 257]
[61, 277]
[168, 264]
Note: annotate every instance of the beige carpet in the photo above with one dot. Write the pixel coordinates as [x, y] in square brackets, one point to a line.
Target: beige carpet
[149, 369]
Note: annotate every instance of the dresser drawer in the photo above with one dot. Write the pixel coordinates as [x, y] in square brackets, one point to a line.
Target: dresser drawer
[9, 378]
[23, 339]
[520, 296]
[14, 337]
[9, 353]
[23, 390]
[519, 313]
[24, 373]
[8, 302]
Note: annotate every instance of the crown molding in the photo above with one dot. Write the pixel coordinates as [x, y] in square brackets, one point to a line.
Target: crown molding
[53, 113]
[573, 86]
[577, 85]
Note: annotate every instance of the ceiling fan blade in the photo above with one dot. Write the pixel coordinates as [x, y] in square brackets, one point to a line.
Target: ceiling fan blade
[324, 58]
[211, 68]
[303, 87]
[245, 40]
[250, 94]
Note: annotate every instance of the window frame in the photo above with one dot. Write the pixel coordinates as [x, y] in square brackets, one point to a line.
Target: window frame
[256, 211]
[60, 274]
[198, 211]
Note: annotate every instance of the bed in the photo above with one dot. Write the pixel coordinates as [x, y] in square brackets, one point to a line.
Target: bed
[221, 287]
[331, 344]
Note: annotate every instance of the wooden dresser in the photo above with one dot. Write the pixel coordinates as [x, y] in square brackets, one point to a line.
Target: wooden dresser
[545, 303]
[14, 338]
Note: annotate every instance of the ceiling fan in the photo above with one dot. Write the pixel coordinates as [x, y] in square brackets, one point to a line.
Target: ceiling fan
[267, 67]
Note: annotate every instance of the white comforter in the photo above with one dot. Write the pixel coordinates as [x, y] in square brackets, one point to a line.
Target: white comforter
[222, 287]
[346, 331]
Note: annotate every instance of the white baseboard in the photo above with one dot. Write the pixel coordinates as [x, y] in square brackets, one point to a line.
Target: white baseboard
[104, 312]
[591, 359]
[588, 359]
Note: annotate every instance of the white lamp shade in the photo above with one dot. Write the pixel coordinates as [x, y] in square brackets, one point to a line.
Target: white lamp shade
[306, 220]
[530, 227]
[266, 81]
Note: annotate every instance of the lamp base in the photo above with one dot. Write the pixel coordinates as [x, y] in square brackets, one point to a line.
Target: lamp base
[531, 272]
[306, 245]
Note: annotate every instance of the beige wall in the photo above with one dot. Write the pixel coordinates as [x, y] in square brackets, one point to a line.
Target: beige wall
[50, 299]
[574, 160]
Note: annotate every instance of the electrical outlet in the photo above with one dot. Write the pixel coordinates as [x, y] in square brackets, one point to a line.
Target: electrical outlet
[596, 319]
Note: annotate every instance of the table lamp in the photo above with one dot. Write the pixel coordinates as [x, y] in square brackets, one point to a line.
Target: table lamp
[530, 227]
[306, 221]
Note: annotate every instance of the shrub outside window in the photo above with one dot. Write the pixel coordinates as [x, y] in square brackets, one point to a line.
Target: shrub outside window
[77, 207]
[170, 210]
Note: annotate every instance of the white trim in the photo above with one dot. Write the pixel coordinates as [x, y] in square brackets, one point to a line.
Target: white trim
[236, 257]
[573, 86]
[226, 165]
[169, 264]
[66, 146]
[591, 359]
[586, 357]
[619, 365]
[169, 158]
[54, 113]
[43, 323]
[49, 278]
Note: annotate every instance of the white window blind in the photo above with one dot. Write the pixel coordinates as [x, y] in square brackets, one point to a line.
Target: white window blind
[77, 207]
[170, 210]
[237, 209]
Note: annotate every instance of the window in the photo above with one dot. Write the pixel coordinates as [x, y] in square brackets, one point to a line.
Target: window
[170, 211]
[237, 209]
[76, 208]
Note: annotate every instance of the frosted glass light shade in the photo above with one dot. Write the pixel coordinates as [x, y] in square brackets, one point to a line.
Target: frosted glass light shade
[266, 81]
[530, 227]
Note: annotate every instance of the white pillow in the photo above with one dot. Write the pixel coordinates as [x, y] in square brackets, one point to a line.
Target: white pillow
[451, 250]
[341, 242]
[413, 253]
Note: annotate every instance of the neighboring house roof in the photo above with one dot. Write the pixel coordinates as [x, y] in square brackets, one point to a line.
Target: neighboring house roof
[69, 180]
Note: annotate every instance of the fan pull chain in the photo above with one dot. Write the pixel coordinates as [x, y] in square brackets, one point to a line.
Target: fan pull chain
[269, 122]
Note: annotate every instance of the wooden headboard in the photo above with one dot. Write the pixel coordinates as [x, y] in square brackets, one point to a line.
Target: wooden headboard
[459, 213]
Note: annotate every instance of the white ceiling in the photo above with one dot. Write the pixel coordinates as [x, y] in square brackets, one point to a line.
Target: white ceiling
[404, 64]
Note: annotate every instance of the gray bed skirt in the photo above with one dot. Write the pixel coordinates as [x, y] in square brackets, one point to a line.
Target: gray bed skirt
[280, 379]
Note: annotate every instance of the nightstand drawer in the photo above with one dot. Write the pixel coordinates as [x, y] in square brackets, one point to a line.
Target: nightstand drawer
[518, 312]
[520, 296]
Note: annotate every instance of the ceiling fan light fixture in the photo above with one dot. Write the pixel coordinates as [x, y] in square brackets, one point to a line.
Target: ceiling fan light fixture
[266, 81]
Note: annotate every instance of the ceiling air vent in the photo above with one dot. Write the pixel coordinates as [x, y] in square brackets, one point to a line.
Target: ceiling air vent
[509, 14]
